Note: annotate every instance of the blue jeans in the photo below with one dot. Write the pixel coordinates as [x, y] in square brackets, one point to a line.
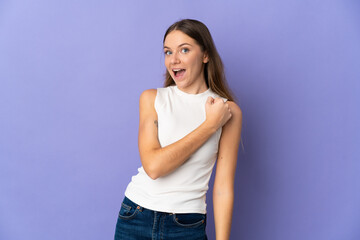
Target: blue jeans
[136, 223]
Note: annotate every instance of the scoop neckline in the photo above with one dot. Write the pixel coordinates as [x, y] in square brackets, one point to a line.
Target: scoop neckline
[182, 93]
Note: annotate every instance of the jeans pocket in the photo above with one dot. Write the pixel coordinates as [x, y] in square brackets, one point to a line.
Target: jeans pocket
[189, 219]
[128, 209]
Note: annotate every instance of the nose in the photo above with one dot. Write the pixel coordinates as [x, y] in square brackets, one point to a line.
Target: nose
[175, 58]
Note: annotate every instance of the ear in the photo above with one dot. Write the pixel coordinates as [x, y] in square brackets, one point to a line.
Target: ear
[206, 57]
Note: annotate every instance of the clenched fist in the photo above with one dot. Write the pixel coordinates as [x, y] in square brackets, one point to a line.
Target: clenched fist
[217, 112]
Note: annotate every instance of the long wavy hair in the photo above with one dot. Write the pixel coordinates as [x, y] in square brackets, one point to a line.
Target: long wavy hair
[214, 69]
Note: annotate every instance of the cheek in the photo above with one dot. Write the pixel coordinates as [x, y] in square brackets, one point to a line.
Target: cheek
[195, 60]
[167, 66]
[166, 62]
[196, 64]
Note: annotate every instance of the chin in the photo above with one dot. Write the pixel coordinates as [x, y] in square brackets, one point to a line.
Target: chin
[180, 84]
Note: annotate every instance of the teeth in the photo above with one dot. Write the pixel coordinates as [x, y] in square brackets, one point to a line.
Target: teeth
[176, 70]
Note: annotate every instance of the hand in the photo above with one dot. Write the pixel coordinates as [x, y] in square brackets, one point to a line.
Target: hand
[217, 112]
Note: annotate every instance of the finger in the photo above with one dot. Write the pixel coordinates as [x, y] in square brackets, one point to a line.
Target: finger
[210, 100]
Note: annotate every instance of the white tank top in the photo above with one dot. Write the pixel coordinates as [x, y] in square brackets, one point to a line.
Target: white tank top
[184, 189]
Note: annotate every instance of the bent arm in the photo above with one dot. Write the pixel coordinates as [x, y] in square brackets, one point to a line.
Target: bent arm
[223, 192]
[158, 161]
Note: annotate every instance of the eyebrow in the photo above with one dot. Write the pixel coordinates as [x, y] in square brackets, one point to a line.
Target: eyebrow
[180, 45]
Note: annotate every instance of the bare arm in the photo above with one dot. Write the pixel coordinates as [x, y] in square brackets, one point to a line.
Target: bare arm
[159, 161]
[223, 192]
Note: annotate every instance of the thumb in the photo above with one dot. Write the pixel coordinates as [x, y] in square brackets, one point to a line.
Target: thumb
[209, 100]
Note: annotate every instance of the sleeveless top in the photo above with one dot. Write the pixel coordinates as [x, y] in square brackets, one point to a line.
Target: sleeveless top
[184, 189]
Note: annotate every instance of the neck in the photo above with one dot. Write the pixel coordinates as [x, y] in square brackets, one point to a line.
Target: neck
[194, 89]
[198, 86]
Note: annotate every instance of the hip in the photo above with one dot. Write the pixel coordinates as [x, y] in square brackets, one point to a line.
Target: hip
[136, 222]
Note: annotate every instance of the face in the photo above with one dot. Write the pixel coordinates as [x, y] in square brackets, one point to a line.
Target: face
[184, 59]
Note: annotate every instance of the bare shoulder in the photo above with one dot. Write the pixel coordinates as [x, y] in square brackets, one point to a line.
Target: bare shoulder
[235, 110]
[147, 103]
[231, 134]
[148, 95]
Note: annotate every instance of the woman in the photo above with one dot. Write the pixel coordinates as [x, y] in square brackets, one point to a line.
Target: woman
[184, 127]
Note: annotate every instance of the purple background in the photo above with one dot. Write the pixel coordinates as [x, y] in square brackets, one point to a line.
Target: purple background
[71, 75]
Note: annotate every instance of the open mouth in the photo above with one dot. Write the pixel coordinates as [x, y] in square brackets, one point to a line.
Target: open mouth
[178, 72]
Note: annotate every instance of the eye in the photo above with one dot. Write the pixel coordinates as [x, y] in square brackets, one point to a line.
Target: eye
[184, 50]
[167, 52]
